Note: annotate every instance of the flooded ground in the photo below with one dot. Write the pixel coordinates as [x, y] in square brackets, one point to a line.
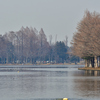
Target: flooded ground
[51, 82]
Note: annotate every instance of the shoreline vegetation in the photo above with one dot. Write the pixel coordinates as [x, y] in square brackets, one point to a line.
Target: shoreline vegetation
[28, 45]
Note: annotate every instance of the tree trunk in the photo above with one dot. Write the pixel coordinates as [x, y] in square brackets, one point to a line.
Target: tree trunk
[93, 62]
[96, 64]
[85, 63]
[90, 63]
[99, 62]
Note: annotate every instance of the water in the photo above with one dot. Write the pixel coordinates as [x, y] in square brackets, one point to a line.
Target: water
[49, 83]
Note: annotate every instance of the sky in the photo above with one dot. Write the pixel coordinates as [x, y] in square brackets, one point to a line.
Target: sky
[56, 17]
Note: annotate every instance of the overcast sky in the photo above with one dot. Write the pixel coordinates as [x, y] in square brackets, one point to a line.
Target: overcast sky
[54, 16]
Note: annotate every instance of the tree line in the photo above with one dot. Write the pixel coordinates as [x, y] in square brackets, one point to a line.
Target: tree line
[30, 46]
[86, 41]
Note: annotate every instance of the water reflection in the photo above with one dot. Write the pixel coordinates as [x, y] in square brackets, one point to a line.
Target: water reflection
[92, 73]
[89, 85]
[86, 73]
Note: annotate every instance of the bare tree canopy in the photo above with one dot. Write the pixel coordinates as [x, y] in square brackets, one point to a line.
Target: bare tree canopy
[86, 41]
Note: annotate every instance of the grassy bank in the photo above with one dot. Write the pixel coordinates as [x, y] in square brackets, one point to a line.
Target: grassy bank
[88, 68]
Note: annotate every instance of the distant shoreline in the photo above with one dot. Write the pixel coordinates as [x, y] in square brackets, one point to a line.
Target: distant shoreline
[46, 64]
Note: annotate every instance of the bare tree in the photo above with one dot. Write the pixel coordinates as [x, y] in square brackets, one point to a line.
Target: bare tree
[25, 45]
[43, 45]
[66, 41]
[50, 39]
[86, 41]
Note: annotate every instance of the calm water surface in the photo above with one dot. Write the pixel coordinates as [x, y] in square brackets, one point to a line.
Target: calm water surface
[50, 83]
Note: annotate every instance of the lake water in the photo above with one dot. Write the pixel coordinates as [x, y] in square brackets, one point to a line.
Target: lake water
[50, 82]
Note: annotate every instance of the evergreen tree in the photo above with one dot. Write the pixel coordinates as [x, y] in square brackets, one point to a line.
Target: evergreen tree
[60, 50]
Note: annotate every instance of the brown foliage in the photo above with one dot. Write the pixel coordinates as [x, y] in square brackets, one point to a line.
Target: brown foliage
[86, 41]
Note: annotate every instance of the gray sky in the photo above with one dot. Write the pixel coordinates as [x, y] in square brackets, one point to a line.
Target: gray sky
[54, 16]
